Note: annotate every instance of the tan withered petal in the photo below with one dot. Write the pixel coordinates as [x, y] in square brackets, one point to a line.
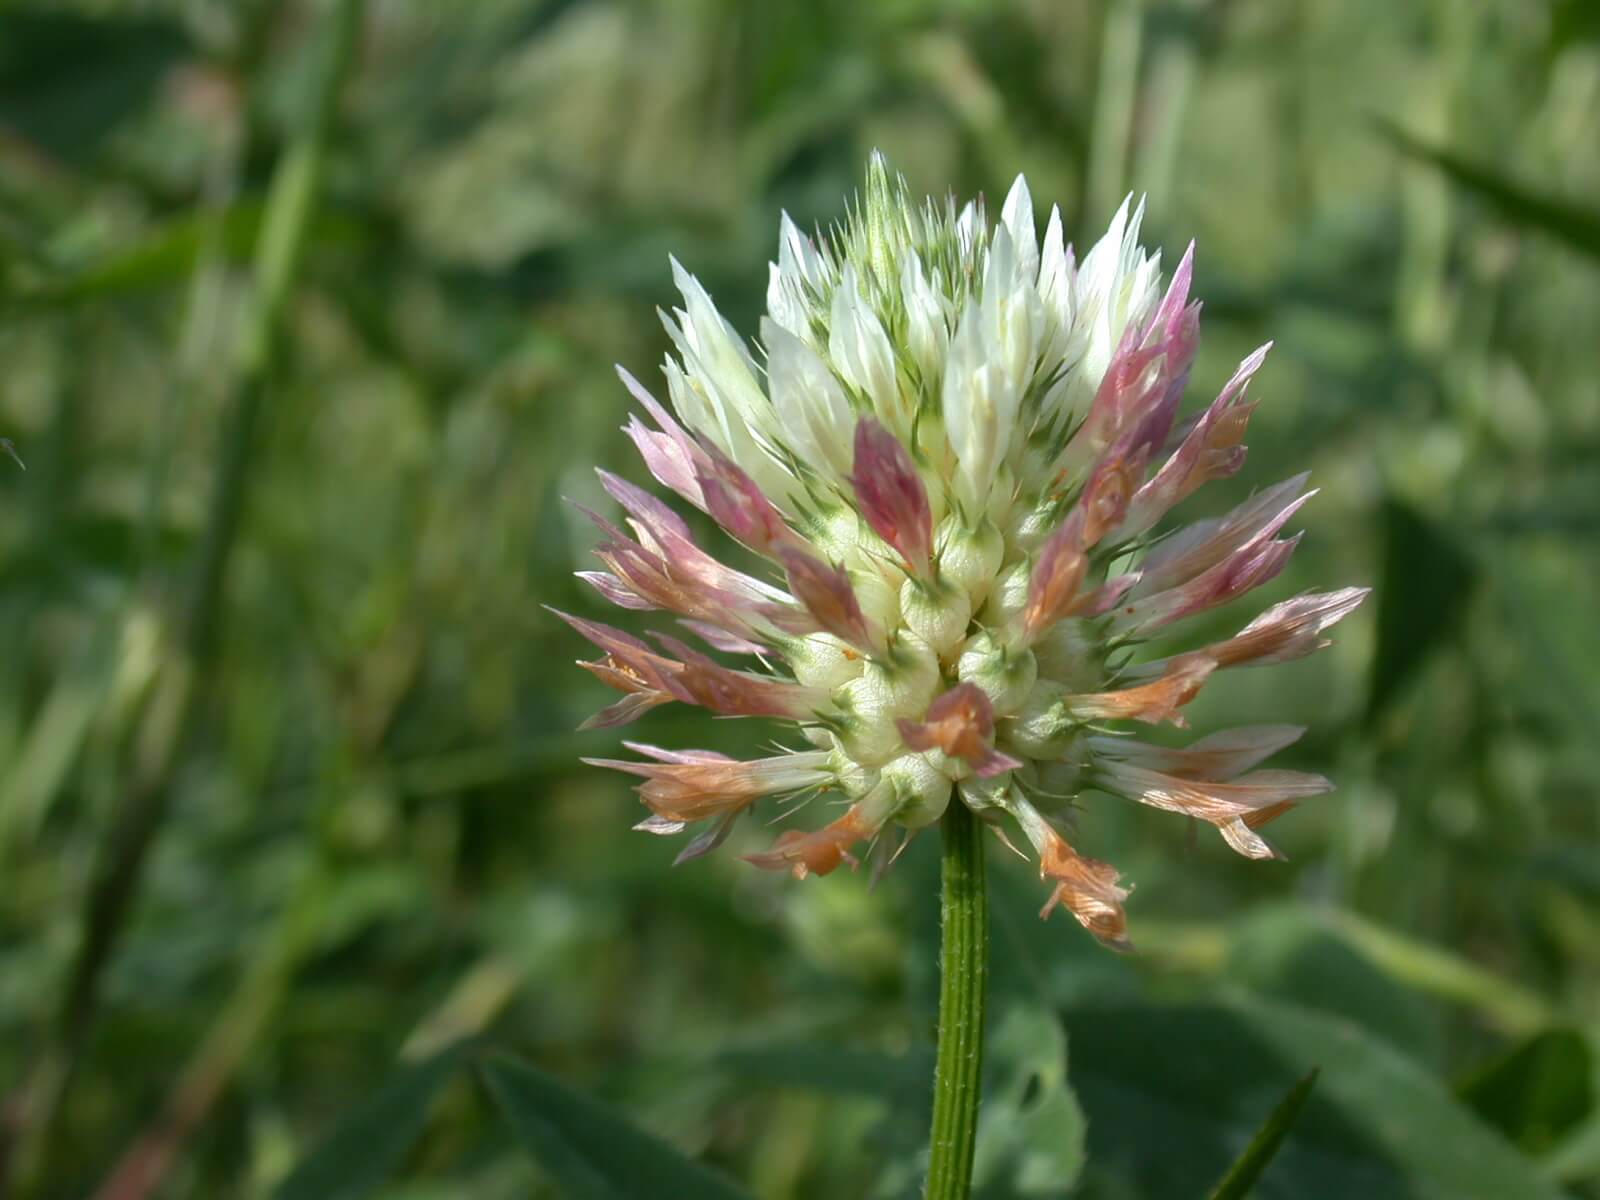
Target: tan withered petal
[1085, 887]
[1151, 703]
[1105, 498]
[960, 723]
[820, 852]
[696, 784]
[1287, 631]
[1088, 889]
[1236, 807]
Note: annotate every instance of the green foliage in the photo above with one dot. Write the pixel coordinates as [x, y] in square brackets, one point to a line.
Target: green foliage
[590, 1151]
[364, 1148]
[1538, 1091]
[1377, 1123]
[1578, 227]
[1030, 1138]
[369, 829]
[1247, 1168]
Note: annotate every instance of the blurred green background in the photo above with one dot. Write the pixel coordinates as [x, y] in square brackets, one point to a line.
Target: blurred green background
[308, 312]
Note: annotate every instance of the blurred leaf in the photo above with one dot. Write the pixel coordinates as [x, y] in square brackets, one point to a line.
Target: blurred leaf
[1378, 1125]
[370, 1140]
[1578, 227]
[1571, 22]
[1425, 585]
[1537, 1091]
[1292, 952]
[1030, 1136]
[824, 1068]
[66, 80]
[589, 1150]
[1242, 1176]
[163, 256]
[1444, 973]
[1577, 1157]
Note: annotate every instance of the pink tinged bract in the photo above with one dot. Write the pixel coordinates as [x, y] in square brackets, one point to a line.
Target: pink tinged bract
[738, 693]
[825, 593]
[893, 498]
[654, 583]
[630, 666]
[961, 724]
[671, 455]
[737, 503]
[616, 590]
[1139, 394]
[1212, 450]
[1109, 489]
[1256, 562]
[721, 639]
[1196, 548]
[1219, 757]
[665, 568]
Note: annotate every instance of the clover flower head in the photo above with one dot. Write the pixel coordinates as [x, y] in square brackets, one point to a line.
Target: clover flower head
[952, 445]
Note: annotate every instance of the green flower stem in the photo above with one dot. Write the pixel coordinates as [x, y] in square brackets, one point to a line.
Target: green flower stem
[963, 987]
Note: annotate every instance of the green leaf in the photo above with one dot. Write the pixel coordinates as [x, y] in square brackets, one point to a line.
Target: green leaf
[1538, 1091]
[1247, 1168]
[369, 1141]
[68, 80]
[1031, 1131]
[1295, 953]
[1377, 1125]
[1426, 583]
[1578, 227]
[589, 1150]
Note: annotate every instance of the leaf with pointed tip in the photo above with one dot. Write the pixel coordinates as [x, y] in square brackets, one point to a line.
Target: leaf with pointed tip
[369, 1141]
[1427, 579]
[1537, 1092]
[1247, 1168]
[1378, 1124]
[590, 1151]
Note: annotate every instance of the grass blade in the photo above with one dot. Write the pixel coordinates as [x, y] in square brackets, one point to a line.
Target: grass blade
[1242, 1176]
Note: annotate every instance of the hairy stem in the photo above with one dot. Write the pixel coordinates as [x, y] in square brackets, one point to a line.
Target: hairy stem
[963, 985]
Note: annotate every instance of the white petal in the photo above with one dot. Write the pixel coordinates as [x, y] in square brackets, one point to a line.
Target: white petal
[927, 324]
[861, 352]
[1055, 284]
[1013, 316]
[815, 416]
[1017, 217]
[980, 408]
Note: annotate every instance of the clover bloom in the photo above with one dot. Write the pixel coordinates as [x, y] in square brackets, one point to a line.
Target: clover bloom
[952, 445]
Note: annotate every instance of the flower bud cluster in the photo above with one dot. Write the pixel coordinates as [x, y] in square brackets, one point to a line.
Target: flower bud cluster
[951, 445]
